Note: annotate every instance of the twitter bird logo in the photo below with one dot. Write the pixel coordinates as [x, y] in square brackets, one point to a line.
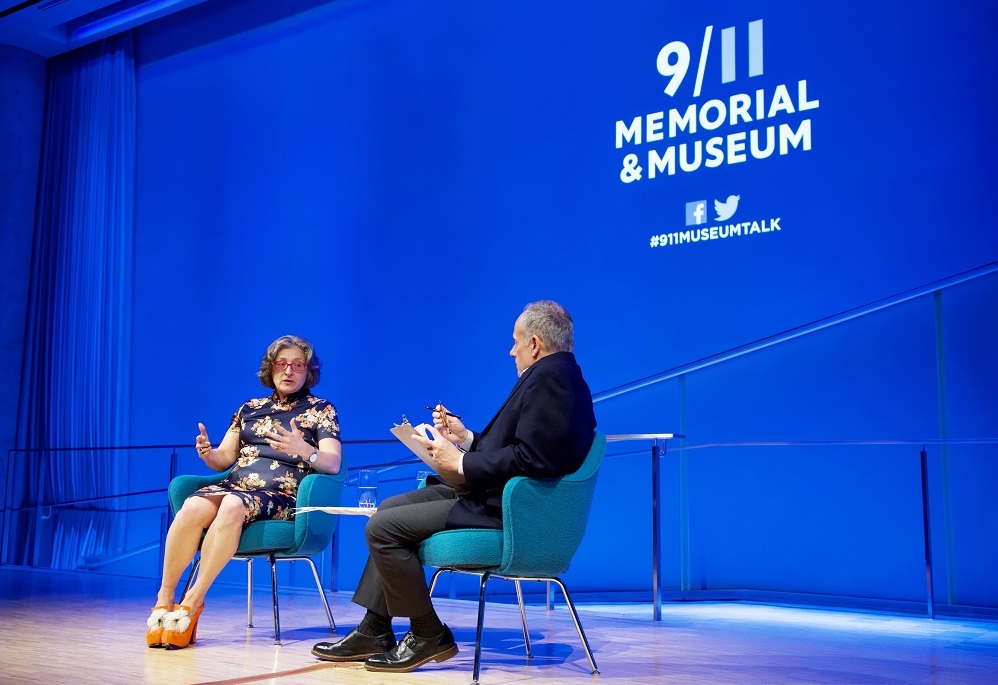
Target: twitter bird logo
[726, 209]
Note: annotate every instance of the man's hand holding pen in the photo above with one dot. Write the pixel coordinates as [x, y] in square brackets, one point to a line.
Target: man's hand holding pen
[445, 455]
[449, 424]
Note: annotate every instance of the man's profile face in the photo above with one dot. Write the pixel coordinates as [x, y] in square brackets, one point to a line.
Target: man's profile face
[522, 351]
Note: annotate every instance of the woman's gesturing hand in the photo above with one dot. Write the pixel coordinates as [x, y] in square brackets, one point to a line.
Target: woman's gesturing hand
[289, 441]
[202, 443]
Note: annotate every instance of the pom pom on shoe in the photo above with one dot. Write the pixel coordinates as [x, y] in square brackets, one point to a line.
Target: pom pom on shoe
[153, 622]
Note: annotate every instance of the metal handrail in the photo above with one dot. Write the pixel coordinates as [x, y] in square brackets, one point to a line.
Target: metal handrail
[14, 455]
[838, 443]
[797, 332]
[168, 446]
[658, 451]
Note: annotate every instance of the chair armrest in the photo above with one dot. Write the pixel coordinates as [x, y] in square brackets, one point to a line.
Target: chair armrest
[314, 529]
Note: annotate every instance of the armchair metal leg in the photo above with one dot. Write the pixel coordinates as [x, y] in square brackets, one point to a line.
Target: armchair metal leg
[322, 593]
[249, 585]
[249, 592]
[523, 616]
[478, 634]
[273, 588]
[485, 575]
[318, 585]
[190, 578]
[433, 580]
[578, 625]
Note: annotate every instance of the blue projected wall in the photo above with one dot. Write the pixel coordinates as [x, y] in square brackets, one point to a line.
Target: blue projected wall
[395, 180]
[452, 162]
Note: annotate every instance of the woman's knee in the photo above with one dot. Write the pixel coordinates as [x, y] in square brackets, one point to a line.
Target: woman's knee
[196, 511]
[231, 511]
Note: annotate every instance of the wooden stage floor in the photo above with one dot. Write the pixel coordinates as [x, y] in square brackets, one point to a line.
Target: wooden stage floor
[86, 628]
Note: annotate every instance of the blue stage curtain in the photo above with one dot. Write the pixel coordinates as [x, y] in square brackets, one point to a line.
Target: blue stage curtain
[76, 375]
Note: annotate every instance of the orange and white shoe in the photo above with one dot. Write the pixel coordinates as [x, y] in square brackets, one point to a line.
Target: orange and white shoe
[154, 627]
[180, 626]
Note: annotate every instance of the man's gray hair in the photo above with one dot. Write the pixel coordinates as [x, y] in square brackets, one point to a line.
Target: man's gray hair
[551, 323]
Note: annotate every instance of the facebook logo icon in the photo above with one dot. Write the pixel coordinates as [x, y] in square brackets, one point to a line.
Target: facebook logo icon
[696, 213]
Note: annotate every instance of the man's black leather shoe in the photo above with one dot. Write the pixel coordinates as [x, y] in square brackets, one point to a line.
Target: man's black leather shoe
[354, 647]
[412, 652]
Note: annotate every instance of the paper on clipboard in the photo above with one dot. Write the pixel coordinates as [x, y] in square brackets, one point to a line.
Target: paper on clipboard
[404, 432]
[359, 511]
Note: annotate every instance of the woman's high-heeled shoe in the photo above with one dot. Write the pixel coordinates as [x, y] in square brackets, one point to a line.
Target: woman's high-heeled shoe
[154, 627]
[180, 627]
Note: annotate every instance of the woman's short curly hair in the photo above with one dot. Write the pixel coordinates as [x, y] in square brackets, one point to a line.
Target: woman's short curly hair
[266, 374]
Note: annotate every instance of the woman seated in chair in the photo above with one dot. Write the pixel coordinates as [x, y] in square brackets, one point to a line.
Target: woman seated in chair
[272, 443]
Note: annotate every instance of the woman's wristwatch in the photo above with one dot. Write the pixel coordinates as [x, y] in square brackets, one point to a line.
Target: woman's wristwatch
[315, 455]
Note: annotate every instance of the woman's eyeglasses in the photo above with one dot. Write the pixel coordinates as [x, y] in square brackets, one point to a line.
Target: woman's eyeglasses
[297, 365]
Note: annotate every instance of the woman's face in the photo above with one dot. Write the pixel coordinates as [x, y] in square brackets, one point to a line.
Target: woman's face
[289, 380]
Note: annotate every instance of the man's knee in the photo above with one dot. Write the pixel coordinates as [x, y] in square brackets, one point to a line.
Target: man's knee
[396, 501]
[375, 531]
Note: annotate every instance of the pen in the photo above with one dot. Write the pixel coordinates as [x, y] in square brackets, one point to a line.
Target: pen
[446, 412]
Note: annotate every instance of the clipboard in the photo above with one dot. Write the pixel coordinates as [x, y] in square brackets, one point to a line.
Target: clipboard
[404, 432]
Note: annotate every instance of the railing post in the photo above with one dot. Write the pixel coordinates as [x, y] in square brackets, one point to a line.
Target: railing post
[39, 507]
[173, 465]
[8, 508]
[163, 529]
[168, 518]
[656, 533]
[927, 534]
[333, 556]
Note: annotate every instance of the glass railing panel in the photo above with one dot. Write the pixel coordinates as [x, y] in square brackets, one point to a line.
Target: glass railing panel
[87, 509]
[798, 476]
[965, 524]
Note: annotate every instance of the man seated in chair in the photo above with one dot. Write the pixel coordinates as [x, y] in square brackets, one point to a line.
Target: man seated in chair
[543, 430]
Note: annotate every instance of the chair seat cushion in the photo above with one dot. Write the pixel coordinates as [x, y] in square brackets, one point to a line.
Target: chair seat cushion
[463, 548]
[263, 537]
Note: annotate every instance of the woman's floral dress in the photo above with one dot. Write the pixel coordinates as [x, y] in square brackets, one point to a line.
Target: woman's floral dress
[263, 478]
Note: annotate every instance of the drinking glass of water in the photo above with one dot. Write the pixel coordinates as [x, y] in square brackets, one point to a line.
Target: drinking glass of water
[367, 488]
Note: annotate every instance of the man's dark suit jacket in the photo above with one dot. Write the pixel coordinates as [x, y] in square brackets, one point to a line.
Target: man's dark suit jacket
[544, 429]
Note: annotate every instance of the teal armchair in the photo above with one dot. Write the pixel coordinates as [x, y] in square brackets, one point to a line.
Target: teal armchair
[543, 525]
[308, 534]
